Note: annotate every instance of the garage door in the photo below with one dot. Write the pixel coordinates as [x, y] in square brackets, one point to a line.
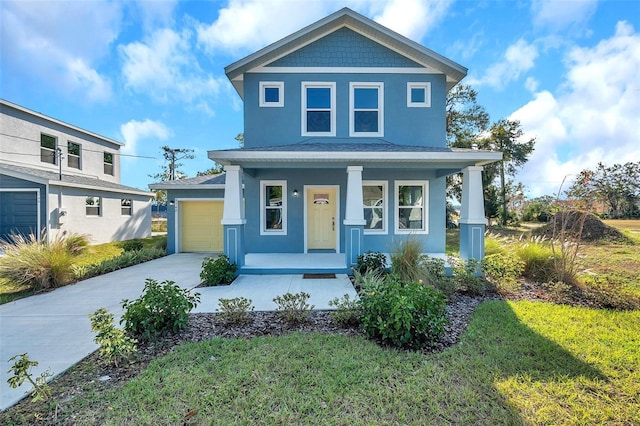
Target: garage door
[18, 213]
[200, 227]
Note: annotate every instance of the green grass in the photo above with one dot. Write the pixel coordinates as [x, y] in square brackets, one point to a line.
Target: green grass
[517, 363]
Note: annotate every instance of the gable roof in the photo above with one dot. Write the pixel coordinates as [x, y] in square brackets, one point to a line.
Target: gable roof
[198, 182]
[346, 17]
[46, 177]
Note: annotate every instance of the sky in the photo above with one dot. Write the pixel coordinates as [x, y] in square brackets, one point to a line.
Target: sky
[151, 73]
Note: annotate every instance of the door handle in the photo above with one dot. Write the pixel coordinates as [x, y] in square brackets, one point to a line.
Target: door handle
[333, 223]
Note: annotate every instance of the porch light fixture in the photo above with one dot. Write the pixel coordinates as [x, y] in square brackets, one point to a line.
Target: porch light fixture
[295, 192]
[171, 202]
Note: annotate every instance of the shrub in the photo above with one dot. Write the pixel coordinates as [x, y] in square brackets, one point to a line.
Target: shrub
[373, 261]
[234, 311]
[503, 270]
[436, 275]
[132, 245]
[114, 344]
[605, 292]
[21, 370]
[362, 281]
[163, 307]
[217, 271]
[403, 314]
[538, 261]
[126, 259]
[347, 312]
[293, 308]
[466, 275]
[494, 244]
[40, 265]
[560, 292]
[405, 260]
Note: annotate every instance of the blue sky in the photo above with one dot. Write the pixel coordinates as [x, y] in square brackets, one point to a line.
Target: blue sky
[151, 73]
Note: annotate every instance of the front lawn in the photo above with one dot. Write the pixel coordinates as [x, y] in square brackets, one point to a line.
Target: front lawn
[518, 362]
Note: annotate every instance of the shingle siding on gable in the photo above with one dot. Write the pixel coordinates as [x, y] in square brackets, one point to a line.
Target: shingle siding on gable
[344, 48]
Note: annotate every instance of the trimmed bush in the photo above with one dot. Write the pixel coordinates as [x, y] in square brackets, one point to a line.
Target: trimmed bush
[371, 261]
[162, 308]
[403, 314]
[293, 308]
[126, 259]
[436, 275]
[234, 311]
[503, 270]
[466, 275]
[218, 271]
[347, 311]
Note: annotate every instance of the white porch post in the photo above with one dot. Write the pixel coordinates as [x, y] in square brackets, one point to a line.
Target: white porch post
[354, 215]
[233, 219]
[472, 219]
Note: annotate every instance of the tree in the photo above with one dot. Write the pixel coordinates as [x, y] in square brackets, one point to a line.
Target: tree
[539, 209]
[215, 170]
[505, 136]
[171, 168]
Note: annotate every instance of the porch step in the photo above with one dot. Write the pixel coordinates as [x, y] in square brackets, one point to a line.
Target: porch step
[295, 263]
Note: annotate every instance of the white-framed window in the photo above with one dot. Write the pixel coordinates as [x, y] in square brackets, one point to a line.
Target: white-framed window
[418, 94]
[108, 163]
[48, 145]
[318, 108]
[411, 215]
[273, 207]
[93, 206]
[126, 206]
[272, 93]
[73, 155]
[374, 196]
[366, 109]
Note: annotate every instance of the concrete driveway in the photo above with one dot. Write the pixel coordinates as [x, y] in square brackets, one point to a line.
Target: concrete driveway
[54, 328]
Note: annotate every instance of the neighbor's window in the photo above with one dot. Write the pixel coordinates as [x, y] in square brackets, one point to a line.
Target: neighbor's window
[318, 109]
[374, 195]
[273, 214]
[47, 149]
[366, 115]
[418, 95]
[411, 209]
[271, 93]
[73, 155]
[125, 207]
[93, 206]
[108, 163]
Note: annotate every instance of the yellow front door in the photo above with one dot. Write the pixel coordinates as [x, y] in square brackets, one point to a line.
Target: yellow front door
[201, 229]
[321, 219]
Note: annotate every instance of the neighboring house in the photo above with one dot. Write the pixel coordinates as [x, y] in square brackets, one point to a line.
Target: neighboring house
[344, 152]
[58, 178]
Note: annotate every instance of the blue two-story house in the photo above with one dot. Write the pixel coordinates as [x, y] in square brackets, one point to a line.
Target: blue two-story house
[344, 151]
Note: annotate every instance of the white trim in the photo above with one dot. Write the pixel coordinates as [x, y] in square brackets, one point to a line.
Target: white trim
[272, 84]
[344, 70]
[303, 123]
[305, 189]
[100, 206]
[380, 109]
[427, 94]
[385, 207]
[176, 218]
[425, 206]
[38, 212]
[283, 207]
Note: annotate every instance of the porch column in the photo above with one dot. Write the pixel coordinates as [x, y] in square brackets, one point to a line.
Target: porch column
[354, 216]
[472, 219]
[233, 219]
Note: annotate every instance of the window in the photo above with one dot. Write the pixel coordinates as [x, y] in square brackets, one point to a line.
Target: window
[108, 163]
[125, 207]
[92, 206]
[366, 109]
[418, 95]
[411, 209]
[73, 155]
[47, 149]
[318, 109]
[271, 93]
[374, 195]
[273, 214]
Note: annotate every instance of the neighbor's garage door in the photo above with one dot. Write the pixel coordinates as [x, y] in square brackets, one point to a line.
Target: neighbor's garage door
[200, 227]
[18, 213]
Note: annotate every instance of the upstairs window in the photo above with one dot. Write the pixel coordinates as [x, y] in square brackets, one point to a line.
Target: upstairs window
[374, 195]
[125, 207]
[271, 93]
[418, 95]
[318, 109]
[47, 149]
[273, 214]
[366, 109]
[411, 209]
[108, 163]
[92, 206]
[73, 155]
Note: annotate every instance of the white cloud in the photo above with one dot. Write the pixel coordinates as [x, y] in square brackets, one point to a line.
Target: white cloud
[519, 58]
[164, 67]
[593, 118]
[58, 43]
[247, 25]
[134, 131]
[555, 15]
